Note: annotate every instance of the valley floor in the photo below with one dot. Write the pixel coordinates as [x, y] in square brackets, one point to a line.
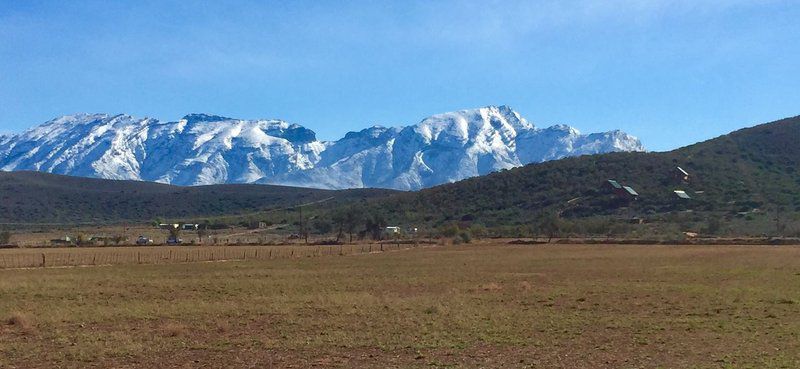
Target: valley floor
[486, 305]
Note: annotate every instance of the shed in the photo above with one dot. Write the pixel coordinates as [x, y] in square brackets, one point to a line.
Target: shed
[682, 194]
[630, 191]
[613, 184]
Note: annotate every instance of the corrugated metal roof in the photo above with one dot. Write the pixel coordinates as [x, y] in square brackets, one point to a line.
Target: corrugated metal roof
[614, 184]
[682, 194]
[683, 171]
[630, 190]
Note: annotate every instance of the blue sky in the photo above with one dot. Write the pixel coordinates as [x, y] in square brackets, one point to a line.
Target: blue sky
[670, 72]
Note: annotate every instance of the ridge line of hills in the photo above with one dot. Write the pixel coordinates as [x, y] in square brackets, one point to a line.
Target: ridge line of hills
[745, 182]
[203, 149]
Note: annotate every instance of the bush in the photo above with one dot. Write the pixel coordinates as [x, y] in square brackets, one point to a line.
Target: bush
[465, 237]
[5, 237]
[450, 231]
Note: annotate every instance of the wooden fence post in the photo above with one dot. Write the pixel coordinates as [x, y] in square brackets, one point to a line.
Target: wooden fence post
[44, 261]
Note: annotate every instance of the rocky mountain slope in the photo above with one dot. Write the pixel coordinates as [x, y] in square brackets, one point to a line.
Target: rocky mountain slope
[205, 149]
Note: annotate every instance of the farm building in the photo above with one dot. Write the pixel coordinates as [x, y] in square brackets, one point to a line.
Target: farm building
[622, 192]
[66, 241]
[631, 192]
[682, 194]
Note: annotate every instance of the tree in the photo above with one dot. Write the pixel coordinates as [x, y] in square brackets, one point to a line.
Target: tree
[202, 232]
[347, 220]
[375, 224]
[713, 226]
[450, 231]
[550, 226]
[175, 233]
[303, 226]
[338, 220]
[118, 239]
[322, 226]
[5, 237]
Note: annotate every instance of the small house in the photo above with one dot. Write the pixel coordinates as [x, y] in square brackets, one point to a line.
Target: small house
[616, 188]
[620, 191]
[190, 227]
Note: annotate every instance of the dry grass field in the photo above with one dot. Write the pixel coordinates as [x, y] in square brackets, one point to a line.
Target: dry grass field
[566, 306]
[98, 256]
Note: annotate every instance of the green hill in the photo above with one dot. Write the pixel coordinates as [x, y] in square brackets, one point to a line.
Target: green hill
[742, 183]
[33, 197]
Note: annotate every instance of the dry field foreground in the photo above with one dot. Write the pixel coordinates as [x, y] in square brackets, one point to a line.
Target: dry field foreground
[108, 255]
[560, 306]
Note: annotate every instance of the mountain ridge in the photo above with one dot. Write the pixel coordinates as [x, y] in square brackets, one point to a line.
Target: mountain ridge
[745, 183]
[212, 149]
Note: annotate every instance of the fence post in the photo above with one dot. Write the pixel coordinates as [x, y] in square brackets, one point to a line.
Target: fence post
[138, 257]
[44, 263]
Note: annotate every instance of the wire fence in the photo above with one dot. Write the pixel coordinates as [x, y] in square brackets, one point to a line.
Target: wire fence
[42, 258]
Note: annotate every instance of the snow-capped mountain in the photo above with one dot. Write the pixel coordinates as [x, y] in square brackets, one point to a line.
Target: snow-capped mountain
[206, 149]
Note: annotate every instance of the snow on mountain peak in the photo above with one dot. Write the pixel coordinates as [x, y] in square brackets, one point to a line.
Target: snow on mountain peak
[207, 149]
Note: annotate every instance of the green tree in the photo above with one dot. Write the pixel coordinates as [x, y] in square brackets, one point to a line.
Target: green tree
[374, 224]
[451, 230]
[550, 226]
[322, 226]
[350, 219]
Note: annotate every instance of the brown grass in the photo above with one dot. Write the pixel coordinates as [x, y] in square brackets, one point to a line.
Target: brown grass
[223, 327]
[20, 321]
[553, 306]
[174, 329]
